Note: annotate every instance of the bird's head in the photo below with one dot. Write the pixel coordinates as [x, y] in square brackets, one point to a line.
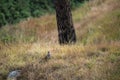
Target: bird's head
[48, 52]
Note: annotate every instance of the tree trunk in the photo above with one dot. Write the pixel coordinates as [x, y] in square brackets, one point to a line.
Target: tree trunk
[66, 30]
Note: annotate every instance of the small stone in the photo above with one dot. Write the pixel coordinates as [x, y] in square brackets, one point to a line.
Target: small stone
[14, 74]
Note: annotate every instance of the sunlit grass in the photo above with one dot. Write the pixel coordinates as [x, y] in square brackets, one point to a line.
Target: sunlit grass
[74, 61]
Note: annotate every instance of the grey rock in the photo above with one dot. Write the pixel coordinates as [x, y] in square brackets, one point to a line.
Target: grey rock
[14, 74]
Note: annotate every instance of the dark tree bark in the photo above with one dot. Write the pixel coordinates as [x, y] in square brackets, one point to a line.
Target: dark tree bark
[66, 30]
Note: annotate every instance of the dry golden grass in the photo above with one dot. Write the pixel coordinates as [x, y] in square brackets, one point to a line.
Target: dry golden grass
[68, 62]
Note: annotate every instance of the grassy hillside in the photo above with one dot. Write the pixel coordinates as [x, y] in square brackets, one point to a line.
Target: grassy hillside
[95, 56]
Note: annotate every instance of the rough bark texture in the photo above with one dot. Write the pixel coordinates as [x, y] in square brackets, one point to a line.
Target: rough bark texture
[64, 22]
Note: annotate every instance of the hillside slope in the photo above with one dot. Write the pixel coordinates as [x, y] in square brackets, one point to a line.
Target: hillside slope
[95, 56]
